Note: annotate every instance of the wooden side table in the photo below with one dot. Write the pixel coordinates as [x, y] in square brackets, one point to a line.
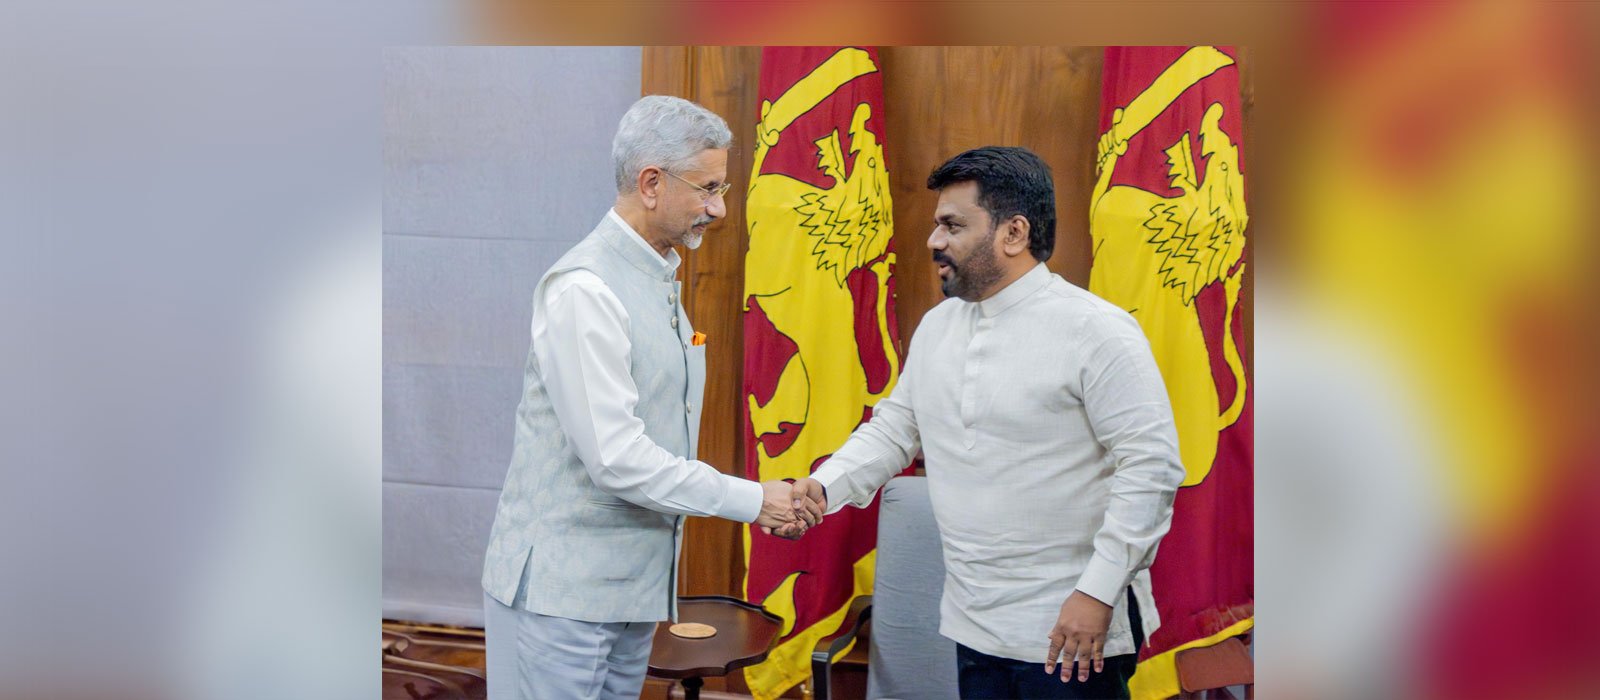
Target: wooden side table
[745, 632]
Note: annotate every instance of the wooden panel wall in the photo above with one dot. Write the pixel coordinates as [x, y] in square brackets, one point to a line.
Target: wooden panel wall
[944, 100]
[939, 101]
[724, 80]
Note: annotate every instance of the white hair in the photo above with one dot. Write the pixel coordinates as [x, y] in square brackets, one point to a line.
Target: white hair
[665, 132]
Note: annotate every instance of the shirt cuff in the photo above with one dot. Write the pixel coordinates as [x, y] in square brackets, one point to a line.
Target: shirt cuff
[742, 501]
[1103, 580]
[828, 477]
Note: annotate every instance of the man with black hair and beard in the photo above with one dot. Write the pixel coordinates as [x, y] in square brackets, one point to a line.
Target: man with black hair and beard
[1051, 454]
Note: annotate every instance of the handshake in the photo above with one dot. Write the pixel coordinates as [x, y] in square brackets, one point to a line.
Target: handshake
[788, 510]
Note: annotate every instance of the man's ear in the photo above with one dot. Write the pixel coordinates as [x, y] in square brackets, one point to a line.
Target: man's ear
[1014, 238]
[650, 182]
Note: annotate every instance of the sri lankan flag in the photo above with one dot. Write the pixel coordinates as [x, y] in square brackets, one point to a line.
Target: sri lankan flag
[1168, 222]
[821, 346]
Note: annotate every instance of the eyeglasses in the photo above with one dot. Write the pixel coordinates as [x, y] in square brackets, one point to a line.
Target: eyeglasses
[705, 194]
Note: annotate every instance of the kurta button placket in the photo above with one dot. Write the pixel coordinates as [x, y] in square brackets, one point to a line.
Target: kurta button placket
[971, 383]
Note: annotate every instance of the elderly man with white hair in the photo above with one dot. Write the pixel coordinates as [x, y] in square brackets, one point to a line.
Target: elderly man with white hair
[582, 559]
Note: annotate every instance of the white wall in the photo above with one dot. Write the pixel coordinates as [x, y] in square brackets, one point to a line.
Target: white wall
[496, 161]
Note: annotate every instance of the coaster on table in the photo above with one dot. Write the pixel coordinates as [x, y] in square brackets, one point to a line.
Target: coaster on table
[692, 630]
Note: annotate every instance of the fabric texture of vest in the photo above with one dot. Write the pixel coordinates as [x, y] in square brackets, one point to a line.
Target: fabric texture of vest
[560, 546]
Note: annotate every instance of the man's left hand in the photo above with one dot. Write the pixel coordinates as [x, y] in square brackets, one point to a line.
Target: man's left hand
[1079, 634]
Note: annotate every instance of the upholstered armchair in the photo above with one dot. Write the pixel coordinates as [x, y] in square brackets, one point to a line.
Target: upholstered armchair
[907, 658]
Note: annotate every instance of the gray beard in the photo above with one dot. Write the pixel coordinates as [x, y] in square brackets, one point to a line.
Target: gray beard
[692, 240]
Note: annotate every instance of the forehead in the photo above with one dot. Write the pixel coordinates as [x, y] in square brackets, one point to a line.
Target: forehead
[712, 161]
[958, 199]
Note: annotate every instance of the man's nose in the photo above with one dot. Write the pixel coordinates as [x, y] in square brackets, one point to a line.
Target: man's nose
[717, 207]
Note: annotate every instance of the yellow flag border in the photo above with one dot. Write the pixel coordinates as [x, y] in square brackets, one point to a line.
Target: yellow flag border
[1157, 677]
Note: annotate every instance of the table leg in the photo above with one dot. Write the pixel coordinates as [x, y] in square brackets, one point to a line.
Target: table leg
[691, 687]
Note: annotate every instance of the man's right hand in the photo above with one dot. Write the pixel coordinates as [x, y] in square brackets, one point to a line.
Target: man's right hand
[777, 508]
[809, 500]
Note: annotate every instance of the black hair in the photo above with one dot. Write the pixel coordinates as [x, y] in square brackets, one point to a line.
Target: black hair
[1011, 181]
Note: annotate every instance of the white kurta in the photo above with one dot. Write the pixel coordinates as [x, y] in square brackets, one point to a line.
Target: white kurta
[1051, 455]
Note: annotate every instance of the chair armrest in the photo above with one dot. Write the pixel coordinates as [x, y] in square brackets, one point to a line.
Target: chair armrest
[830, 647]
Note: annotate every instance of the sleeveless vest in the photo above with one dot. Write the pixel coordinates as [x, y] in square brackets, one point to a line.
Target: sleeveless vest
[560, 546]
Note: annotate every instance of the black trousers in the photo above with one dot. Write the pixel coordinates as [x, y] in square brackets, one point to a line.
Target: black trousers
[985, 677]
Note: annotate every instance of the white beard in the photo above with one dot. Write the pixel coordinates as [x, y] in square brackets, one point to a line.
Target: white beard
[693, 240]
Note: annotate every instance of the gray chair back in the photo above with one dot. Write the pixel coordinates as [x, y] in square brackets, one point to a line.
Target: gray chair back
[909, 660]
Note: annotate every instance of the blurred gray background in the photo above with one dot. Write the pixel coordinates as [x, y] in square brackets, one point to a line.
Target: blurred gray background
[496, 161]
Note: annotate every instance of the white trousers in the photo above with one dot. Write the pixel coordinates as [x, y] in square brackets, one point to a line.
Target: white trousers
[537, 657]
